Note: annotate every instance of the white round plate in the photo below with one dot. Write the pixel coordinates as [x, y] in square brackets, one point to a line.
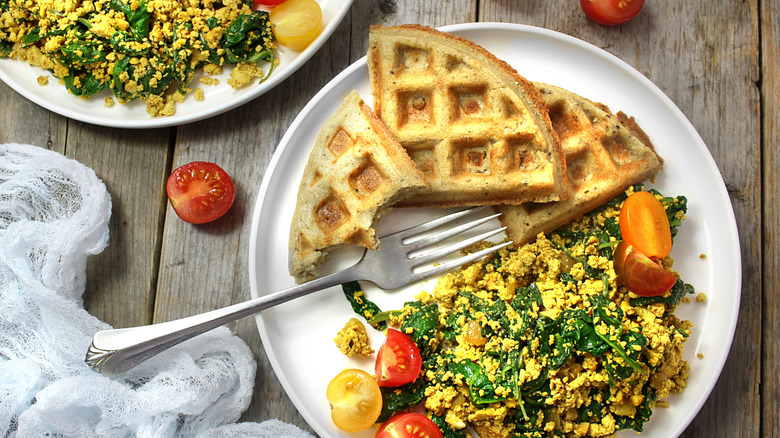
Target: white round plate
[217, 98]
[298, 336]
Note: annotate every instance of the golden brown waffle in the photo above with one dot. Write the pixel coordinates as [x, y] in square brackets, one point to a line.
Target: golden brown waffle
[477, 130]
[605, 154]
[355, 172]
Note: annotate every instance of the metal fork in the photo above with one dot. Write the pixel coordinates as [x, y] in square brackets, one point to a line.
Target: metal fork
[113, 352]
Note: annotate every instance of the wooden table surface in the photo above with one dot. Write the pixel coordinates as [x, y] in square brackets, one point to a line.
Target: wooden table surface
[716, 59]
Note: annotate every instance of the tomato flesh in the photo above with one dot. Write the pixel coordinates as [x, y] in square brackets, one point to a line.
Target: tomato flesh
[409, 425]
[644, 224]
[611, 12]
[398, 361]
[200, 192]
[639, 274]
[355, 400]
[296, 23]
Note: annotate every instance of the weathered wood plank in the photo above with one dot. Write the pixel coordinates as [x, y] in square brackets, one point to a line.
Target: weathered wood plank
[121, 280]
[770, 90]
[27, 123]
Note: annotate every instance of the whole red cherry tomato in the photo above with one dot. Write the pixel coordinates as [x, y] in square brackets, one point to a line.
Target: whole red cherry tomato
[611, 12]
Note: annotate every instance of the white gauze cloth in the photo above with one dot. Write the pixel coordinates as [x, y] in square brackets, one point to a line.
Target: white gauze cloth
[54, 213]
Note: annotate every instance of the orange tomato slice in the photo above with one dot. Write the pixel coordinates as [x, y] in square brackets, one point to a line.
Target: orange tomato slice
[355, 400]
[640, 274]
[644, 224]
[296, 23]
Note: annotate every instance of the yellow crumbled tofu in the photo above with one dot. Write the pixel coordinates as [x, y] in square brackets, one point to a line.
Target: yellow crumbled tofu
[243, 73]
[43, 80]
[146, 50]
[548, 321]
[701, 297]
[108, 102]
[353, 340]
[208, 80]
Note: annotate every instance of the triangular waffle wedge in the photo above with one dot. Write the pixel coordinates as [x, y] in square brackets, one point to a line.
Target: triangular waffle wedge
[605, 154]
[355, 172]
[477, 130]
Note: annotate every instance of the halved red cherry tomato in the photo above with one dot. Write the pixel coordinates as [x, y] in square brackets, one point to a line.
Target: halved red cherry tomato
[200, 192]
[268, 2]
[639, 273]
[355, 400]
[611, 12]
[409, 425]
[296, 23]
[398, 361]
[644, 224]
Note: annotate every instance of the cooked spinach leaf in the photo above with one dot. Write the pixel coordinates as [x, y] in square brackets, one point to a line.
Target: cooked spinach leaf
[362, 305]
[670, 298]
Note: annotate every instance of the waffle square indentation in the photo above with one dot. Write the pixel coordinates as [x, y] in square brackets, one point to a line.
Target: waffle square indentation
[423, 155]
[525, 155]
[340, 143]
[470, 101]
[366, 179]
[416, 106]
[330, 213]
[411, 59]
[472, 156]
[617, 149]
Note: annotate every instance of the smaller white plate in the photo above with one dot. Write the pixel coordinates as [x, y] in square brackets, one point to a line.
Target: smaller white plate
[217, 99]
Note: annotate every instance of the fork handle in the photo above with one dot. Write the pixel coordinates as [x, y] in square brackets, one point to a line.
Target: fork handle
[113, 352]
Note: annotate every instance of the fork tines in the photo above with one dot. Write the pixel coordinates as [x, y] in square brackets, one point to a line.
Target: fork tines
[426, 241]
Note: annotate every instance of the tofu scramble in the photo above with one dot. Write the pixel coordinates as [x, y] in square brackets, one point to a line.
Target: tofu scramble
[542, 341]
[352, 340]
[139, 49]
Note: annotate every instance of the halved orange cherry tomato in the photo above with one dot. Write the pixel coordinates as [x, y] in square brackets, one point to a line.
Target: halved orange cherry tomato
[398, 361]
[200, 192]
[639, 273]
[296, 23]
[355, 400]
[409, 425]
[611, 12]
[644, 224]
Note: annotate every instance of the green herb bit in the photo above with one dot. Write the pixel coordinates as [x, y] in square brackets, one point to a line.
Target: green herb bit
[362, 305]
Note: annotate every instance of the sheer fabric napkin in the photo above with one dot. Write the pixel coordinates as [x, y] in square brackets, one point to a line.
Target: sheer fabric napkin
[54, 213]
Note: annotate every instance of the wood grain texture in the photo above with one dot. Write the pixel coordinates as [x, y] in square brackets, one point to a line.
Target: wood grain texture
[133, 164]
[27, 123]
[770, 236]
[717, 60]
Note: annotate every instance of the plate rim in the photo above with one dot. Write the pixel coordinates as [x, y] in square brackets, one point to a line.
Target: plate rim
[284, 143]
[176, 120]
